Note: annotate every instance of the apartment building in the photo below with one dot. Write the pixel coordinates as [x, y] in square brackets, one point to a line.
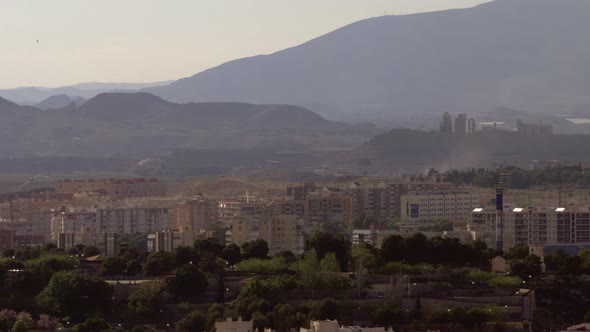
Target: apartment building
[115, 188]
[433, 205]
[320, 206]
[241, 206]
[194, 215]
[383, 201]
[89, 226]
[533, 225]
[281, 232]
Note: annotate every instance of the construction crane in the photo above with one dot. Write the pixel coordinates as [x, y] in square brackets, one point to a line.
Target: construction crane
[501, 187]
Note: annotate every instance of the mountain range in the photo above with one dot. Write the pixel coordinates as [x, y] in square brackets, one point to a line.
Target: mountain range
[524, 54]
[530, 55]
[36, 95]
[130, 123]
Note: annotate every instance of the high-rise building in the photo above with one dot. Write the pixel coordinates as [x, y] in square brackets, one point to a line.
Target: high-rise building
[383, 201]
[194, 215]
[534, 225]
[446, 125]
[461, 124]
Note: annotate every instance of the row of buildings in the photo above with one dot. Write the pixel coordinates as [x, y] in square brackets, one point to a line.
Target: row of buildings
[96, 212]
[533, 225]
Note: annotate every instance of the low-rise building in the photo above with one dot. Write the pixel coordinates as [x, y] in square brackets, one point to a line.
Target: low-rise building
[333, 326]
[230, 325]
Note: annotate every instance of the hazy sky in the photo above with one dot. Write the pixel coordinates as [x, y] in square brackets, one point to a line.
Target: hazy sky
[154, 40]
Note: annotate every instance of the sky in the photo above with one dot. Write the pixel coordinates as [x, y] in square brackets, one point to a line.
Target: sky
[156, 40]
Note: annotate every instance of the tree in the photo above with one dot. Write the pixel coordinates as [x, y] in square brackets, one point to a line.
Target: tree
[20, 326]
[92, 324]
[47, 322]
[283, 317]
[387, 315]
[184, 255]
[193, 322]
[27, 319]
[133, 267]
[329, 309]
[363, 261]
[324, 243]
[260, 321]
[188, 281]
[159, 263]
[148, 300]
[114, 266]
[90, 251]
[255, 249]
[530, 266]
[38, 271]
[7, 319]
[208, 245]
[393, 248]
[517, 252]
[308, 269]
[76, 295]
[231, 253]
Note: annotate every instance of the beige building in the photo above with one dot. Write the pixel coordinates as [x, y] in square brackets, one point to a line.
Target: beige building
[319, 206]
[115, 188]
[90, 226]
[281, 232]
[234, 326]
[333, 326]
[383, 201]
[436, 205]
[194, 215]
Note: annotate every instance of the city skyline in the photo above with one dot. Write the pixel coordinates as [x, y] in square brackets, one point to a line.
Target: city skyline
[66, 42]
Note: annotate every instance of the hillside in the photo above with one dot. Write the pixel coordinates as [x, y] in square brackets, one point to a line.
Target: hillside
[413, 149]
[143, 124]
[523, 54]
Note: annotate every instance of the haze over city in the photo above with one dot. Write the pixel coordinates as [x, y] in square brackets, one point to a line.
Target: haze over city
[294, 165]
[148, 41]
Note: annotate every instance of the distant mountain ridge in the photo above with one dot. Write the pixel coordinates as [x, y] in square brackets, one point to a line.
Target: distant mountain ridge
[59, 101]
[36, 95]
[139, 122]
[523, 54]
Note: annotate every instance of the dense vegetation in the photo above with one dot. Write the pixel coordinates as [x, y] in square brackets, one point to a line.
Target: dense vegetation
[521, 178]
[333, 276]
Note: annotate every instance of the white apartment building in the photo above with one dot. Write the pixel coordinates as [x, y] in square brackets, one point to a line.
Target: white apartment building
[533, 225]
[435, 205]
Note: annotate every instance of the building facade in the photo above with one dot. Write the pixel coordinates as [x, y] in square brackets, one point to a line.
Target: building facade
[281, 232]
[533, 225]
[437, 205]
